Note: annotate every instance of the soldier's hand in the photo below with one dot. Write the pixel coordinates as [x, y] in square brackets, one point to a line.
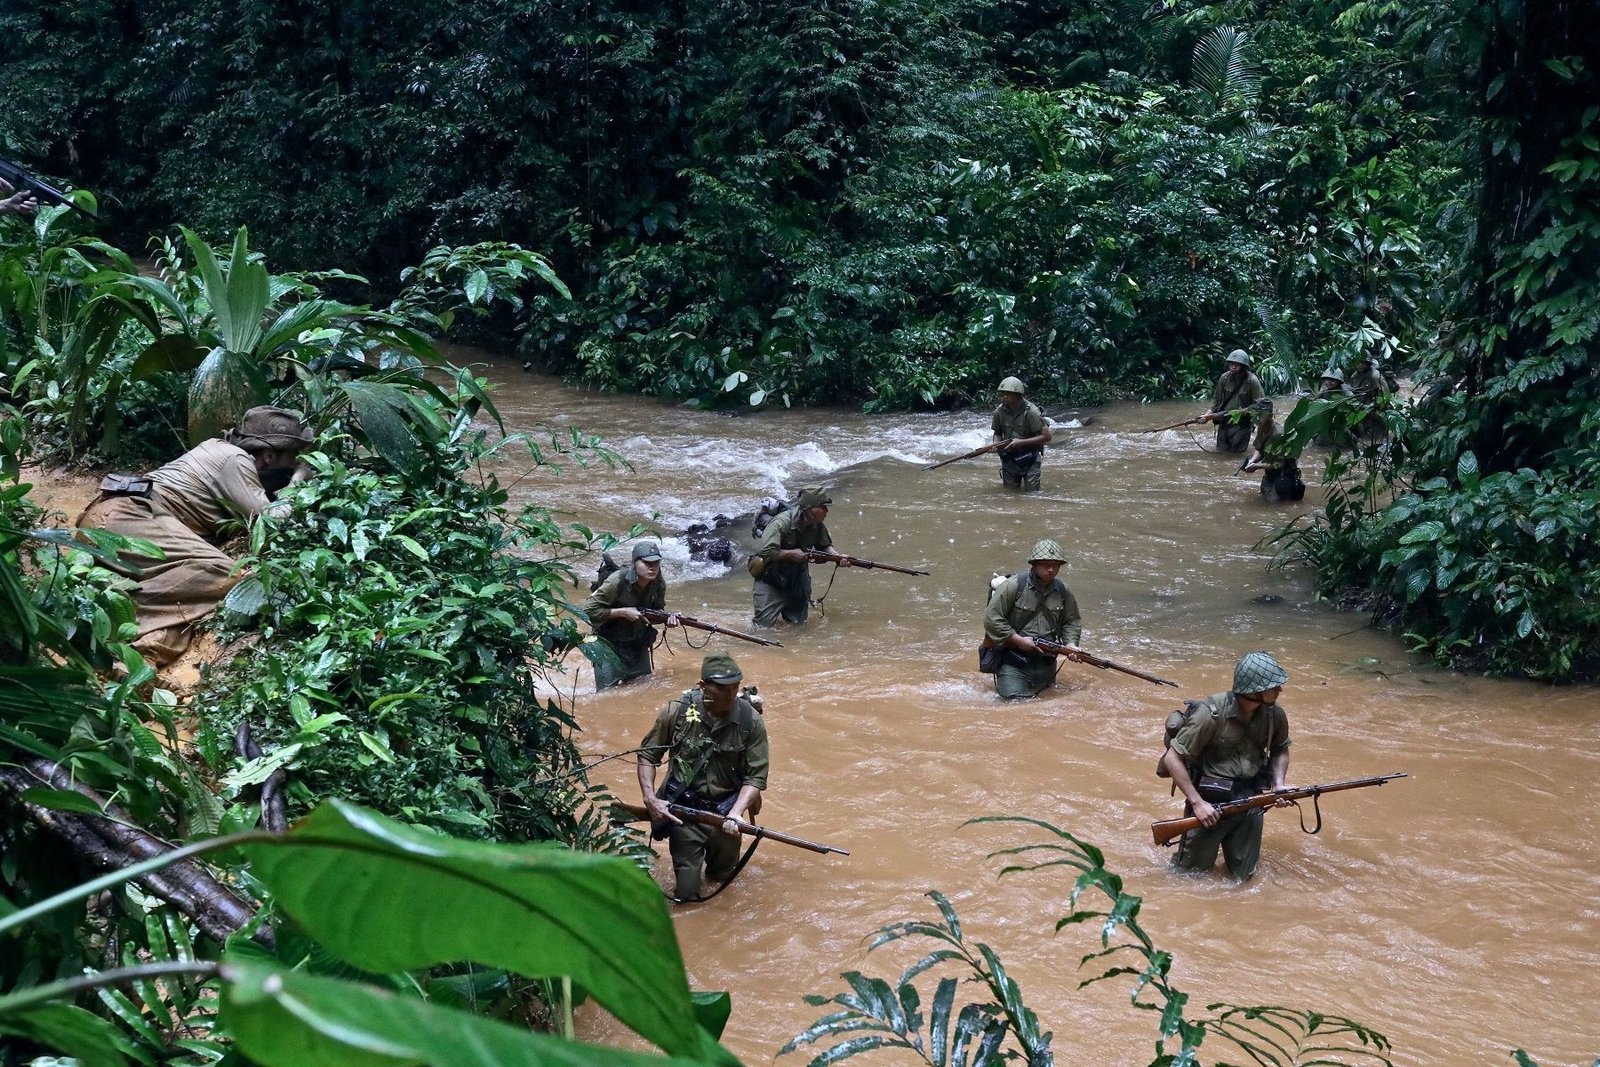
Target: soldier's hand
[1074, 653]
[672, 619]
[1282, 802]
[1206, 814]
[1026, 644]
[628, 614]
[659, 812]
[730, 826]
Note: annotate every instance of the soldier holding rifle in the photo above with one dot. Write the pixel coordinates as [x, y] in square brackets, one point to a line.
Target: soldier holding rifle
[614, 612]
[716, 748]
[1033, 604]
[1020, 434]
[781, 564]
[1230, 746]
[1236, 390]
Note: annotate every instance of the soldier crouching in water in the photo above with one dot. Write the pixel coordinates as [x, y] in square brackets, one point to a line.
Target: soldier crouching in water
[187, 505]
[716, 747]
[613, 611]
[1031, 604]
[1230, 746]
[1280, 468]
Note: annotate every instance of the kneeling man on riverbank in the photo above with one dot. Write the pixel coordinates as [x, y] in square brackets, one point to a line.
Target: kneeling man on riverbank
[1231, 746]
[185, 509]
[715, 743]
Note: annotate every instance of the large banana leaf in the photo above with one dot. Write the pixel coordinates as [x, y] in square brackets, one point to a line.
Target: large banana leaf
[290, 1019]
[224, 387]
[390, 897]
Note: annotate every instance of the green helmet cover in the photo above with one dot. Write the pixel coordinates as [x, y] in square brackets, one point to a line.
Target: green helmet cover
[1046, 549]
[1257, 672]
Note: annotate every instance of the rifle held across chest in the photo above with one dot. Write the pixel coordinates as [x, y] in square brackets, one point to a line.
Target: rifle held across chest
[866, 564]
[1166, 831]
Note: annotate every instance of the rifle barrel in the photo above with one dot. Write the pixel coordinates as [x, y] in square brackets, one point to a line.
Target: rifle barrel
[638, 813]
[654, 616]
[1165, 831]
[967, 455]
[1103, 663]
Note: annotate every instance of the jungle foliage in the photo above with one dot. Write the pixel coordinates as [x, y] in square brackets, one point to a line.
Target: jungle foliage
[891, 202]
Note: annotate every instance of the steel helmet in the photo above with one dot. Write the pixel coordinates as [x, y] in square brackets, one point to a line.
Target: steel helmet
[1257, 672]
[1335, 373]
[1012, 384]
[1046, 549]
[1239, 356]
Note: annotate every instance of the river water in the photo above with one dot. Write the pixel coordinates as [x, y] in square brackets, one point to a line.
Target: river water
[1455, 911]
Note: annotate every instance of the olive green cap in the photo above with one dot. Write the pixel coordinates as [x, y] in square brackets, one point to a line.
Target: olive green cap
[273, 427]
[719, 667]
[1257, 672]
[1012, 384]
[1047, 549]
[1239, 356]
[648, 551]
[812, 496]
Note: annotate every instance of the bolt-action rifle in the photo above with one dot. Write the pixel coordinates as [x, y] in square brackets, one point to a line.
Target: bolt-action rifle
[638, 813]
[1078, 655]
[1178, 425]
[974, 454]
[866, 564]
[1168, 830]
[651, 615]
[20, 179]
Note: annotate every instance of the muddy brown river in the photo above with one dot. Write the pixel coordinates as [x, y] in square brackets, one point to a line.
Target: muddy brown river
[1456, 911]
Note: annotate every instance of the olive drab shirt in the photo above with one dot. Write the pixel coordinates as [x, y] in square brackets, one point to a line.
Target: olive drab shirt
[1268, 441]
[1232, 393]
[1053, 611]
[1368, 385]
[1010, 425]
[712, 756]
[785, 531]
[621, 590]
[1221, 742]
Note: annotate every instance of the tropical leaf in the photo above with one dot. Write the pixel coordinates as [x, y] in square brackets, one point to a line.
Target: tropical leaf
[1224, 73]
[226, 385]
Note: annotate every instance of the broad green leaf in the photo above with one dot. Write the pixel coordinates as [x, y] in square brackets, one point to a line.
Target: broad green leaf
[1467, 471]
[61, 800]
[477, 287]
[1432, 530]
[91, 1040]
[384, 896]
[226, 385]
[174, 352]
[712, 1011]
[291, 1019]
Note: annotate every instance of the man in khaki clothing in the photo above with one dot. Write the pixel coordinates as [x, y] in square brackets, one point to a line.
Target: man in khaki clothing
[1236, 390]
[781, 564]
[187, 505]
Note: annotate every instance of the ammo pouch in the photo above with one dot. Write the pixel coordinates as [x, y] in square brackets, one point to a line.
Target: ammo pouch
[125, 485]
[1019, 460]
[990, 657]
[1218, 788]
[673, 791]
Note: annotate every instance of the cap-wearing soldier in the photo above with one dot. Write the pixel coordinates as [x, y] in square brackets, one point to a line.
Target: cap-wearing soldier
[1020, 434]
[613, 611]
[1233, 745]
[1033, 603]
[1236, 390]
[186, 506]
[715, 744]
[781, 566]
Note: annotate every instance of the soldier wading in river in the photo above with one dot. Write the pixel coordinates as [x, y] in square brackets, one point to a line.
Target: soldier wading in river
[1020, 434]
[715, 743]
[613, 611]
[1032, 604]
[1226, 747]
[781, 564]
[1236, 390]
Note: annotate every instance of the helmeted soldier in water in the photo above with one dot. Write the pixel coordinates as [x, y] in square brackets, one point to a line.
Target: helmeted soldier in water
[613, 611]
[1020, 434]
[189, 506]
[1231, 746]
[1280, 469]
[1236, 390]
[780, 564]
[714, 742]
[1034, 603]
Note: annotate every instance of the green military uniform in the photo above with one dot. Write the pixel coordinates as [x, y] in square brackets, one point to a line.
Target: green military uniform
[784, 588]
[1235, 392]
[1331, 388]
[1020, 606]
[631, 641]
[1218, 741]
[1280, 478]
[1020, 470]
[715, 758]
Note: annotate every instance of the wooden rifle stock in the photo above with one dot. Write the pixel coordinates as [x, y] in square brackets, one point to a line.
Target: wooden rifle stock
[975, 453]
[1177, 425]
[1166, 831]
[638, 813]
[866, 564]
[652, 615]
[1080, 656]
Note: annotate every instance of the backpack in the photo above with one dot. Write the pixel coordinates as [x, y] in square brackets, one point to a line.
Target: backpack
[608, 567]
[1175, 722]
